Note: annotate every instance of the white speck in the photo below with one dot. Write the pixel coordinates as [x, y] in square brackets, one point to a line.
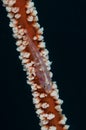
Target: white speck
[19, 42]
[34, 38]
[59, 101]
[44, 128]
[27, 66]
[12, 2]
[43, 116]
[33, 87]
[66, 127]
[15, 9]
[20, 48]
[14, 21]
[53, 93]
[29, 82]
[25, 54]
[34, 13]
[45, 105]
[48, 63]
[15, 35]
[25, 43]
[44, 122]
[15, 29]
[28, 11]
[41, 44]
[8, 9]
[20, 57]
[21, 31]
[31, 78]
[50, 116]
[52, 128]
[43, 95]
[35, 94]
[51, 74]
[17, 16]
[30, 4]
[58, 108]
[11, 24]
[54, 85]
[36, 18]
[30, 64]
[36, 25]
[40, 30]
[24, 61]
[36, 100]
[44, 52]
[40, 38]
[10, 15]
[30, 18]
[9, 2]
[38, 105]
[19, 36]
[39, 111]
[63, 120]
[49, 68]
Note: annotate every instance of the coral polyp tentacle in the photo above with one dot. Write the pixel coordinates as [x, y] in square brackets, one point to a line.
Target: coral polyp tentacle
[35, 60]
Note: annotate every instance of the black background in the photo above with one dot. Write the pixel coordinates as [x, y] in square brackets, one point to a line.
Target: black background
[65, 35]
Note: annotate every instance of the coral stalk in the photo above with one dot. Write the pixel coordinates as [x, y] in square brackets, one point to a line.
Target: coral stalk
[35, 60]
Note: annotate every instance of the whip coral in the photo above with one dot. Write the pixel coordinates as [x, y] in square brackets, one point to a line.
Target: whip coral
[35, 60]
